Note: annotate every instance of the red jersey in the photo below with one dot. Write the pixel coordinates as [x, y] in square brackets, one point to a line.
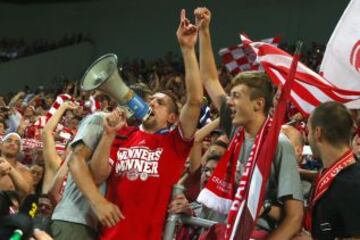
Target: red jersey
[145, 167]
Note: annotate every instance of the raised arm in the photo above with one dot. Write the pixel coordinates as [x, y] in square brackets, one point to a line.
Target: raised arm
[99, 163]
[56, 183]
[196, 150]
[15, 98]
[206, 130]
[187, 37]
[52, 159]
[208, 70]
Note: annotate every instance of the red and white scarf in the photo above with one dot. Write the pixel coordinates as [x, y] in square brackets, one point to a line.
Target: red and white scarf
[60, 99]
[323, 182]
[219, 191]
[251, 188]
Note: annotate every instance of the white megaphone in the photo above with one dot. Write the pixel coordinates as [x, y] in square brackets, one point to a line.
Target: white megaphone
[103, 75]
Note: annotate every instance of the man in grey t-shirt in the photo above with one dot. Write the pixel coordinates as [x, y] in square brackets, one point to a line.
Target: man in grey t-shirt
[249, 103]
[284, 181]
[74, 216]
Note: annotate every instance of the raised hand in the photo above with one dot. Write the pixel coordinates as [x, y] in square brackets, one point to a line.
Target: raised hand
[70, 105]
[115, 121]
[186, 32]
[202, 18]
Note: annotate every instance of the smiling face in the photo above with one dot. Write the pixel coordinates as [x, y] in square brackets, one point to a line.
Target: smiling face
[11, 145]
[242, 107]
[163, 113]
[250, 98]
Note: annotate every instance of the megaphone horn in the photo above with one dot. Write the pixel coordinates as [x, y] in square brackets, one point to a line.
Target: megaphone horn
[103, 75]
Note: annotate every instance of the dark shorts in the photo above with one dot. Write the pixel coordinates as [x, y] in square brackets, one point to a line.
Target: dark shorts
[62, 230]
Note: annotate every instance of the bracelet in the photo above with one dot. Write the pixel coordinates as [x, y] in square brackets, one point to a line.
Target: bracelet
[267, 208]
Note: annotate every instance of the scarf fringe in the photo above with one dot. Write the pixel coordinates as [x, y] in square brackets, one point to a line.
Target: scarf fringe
[214, 202]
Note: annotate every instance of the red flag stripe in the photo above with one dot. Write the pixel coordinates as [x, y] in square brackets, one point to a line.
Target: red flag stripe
[309, 89]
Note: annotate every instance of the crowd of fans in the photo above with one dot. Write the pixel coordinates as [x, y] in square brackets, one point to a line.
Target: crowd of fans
[13, 48]
[37, 126]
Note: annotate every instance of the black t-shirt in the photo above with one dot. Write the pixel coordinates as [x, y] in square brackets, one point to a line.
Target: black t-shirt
[337, 213]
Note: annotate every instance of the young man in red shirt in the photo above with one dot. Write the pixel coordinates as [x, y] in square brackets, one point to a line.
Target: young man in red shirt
[146, 162]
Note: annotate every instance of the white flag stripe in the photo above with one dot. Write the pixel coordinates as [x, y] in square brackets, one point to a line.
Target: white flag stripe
[255, 186]
[302, 103]
[320, 95]
[285, 61]
[309, 88]
[237, 219]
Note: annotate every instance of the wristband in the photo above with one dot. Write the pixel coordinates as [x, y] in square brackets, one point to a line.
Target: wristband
[267, 208]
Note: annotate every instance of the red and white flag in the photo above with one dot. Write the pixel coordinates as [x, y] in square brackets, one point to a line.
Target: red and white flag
[309, 89]
[58, 102]
[60, 99]
[341, 62]
[239, 58]
[95, 104]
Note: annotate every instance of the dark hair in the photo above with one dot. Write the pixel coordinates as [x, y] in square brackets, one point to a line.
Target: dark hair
[260, 86]
[174, 100]
[220, 143]
[141, 89]
[335, 121]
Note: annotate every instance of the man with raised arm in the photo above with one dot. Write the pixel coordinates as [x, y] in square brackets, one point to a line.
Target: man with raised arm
[146, 162]
[247, 107]
[74, 211]
[53, 161]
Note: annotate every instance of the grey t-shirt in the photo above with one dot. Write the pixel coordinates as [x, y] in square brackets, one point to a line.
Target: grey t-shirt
[284, 178]
[74, 207]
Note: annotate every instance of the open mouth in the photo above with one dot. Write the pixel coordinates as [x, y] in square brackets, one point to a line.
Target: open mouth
[232, 114]
[151, 114]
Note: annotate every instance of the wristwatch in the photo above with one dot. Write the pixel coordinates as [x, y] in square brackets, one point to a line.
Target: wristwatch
[267, 207]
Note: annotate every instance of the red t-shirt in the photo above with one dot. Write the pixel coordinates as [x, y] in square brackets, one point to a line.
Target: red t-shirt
[145, 167]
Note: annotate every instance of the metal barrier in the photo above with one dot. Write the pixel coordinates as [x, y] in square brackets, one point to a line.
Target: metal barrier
[174, 219]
